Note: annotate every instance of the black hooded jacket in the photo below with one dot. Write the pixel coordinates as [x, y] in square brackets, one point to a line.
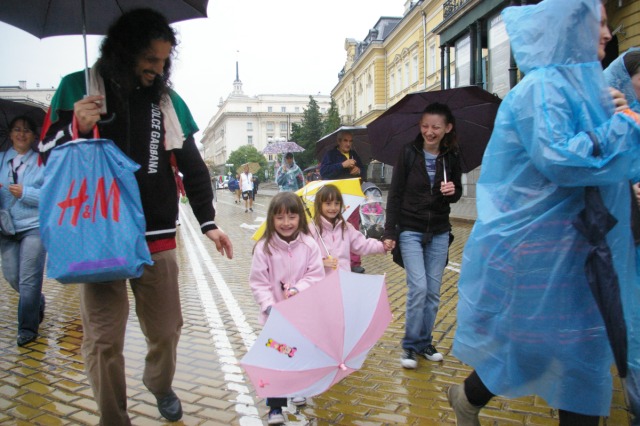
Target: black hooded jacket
[413, 203]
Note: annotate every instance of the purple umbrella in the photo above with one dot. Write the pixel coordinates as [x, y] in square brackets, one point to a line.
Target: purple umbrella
[282, 148]
[473, 108]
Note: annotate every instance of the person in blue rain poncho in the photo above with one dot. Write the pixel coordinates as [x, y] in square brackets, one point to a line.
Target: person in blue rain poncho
[624, 75]
[527, 320]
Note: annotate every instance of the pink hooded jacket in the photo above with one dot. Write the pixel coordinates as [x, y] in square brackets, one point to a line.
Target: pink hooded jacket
[341, 245]
[298, 263]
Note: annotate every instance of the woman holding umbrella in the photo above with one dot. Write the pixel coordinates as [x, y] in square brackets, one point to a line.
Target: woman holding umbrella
[426, 179]
[23, 254]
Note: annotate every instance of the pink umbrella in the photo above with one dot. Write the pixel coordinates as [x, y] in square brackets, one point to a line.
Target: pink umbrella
[313, 340]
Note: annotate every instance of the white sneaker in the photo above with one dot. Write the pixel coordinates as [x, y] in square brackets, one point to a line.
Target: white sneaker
[298, 400]
[409, 359]
[432, 354]
[275, 417]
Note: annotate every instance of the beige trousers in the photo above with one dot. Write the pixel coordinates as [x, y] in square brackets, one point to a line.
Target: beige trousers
[105, 309]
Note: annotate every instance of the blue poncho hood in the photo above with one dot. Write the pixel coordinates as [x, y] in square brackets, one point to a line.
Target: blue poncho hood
[536, 44]
[617, 76]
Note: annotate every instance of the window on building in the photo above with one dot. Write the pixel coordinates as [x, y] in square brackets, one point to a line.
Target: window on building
[392, 84]
[248, 109]
[414, 63]
[283, 109]
[249, 126]
[297, 109]
[249, 140]
[369, 90]
[499, 57]
[407, 74]
[283, 127]
[463, 61]
[432, 58]
[399, 84]
[269, 109]
[270, 126]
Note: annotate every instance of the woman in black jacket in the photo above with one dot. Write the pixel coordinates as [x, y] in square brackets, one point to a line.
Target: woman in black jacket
[426, 179]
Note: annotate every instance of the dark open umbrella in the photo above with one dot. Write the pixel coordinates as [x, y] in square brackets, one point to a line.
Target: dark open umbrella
[361, 143]
[474, 110]
[10, 109]
[47, 18]
[594, 222]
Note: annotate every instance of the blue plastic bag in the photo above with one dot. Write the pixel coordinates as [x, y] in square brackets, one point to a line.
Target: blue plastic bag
[91, 217]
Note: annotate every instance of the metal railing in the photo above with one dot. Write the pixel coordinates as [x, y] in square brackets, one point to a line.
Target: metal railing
[450, 7]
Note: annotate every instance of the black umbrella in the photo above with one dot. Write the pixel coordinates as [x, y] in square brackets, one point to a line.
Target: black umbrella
[594, 222]
[11, 109]
[474, 110]
[47, 18]
[361, 143]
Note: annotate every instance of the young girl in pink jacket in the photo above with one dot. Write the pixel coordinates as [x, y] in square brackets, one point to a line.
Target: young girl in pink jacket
[286, 260]
[335, 236]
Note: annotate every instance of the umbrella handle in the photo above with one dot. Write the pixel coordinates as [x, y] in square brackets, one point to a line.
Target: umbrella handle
[444, 170]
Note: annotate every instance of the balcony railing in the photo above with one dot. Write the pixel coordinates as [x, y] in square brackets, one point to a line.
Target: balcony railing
[452, 6]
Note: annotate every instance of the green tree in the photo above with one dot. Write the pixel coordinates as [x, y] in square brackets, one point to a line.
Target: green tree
[247, 154]
[307, 133]
[332, 122]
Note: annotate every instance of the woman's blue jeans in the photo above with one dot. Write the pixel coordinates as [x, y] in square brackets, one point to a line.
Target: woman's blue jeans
[424, 265]
[23, 258]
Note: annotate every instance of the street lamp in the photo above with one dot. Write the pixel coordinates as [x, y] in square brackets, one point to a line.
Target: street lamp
[229, 166]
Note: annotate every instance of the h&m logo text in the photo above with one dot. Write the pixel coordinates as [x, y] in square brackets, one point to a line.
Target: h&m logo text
[101, 202]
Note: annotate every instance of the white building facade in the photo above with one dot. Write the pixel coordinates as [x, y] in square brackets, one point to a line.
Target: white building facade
[254, 120]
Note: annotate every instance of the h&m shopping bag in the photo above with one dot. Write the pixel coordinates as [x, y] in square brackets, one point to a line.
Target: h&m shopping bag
[91, 217]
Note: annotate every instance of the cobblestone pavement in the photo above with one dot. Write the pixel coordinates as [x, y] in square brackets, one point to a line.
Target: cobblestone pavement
[44, 382]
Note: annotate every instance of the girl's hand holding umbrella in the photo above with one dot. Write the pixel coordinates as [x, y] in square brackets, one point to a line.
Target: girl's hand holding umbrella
[288, 291]
[330, 262]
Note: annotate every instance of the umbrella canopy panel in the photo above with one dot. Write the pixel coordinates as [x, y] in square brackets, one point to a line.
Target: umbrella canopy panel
[282, 148]
[361, 143]
[11, 109]
[253, 168]
[46, 18]
[474, 110]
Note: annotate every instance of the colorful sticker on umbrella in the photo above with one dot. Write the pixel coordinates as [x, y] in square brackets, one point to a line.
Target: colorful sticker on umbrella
[282, 348]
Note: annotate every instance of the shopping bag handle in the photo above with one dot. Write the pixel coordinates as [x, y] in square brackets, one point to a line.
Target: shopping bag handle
[74, 129]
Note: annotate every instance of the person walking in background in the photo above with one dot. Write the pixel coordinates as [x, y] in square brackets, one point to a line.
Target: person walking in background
[528, 322]
[246, 186]
[426, 179]
[336, 237]
[256, 183]
[343, 162]
[23, 255]
[289, 177]
[234, 187]
[150, 123]
[274, 277]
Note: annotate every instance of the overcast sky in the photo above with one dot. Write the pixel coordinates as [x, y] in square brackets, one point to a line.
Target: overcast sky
[283, 46]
